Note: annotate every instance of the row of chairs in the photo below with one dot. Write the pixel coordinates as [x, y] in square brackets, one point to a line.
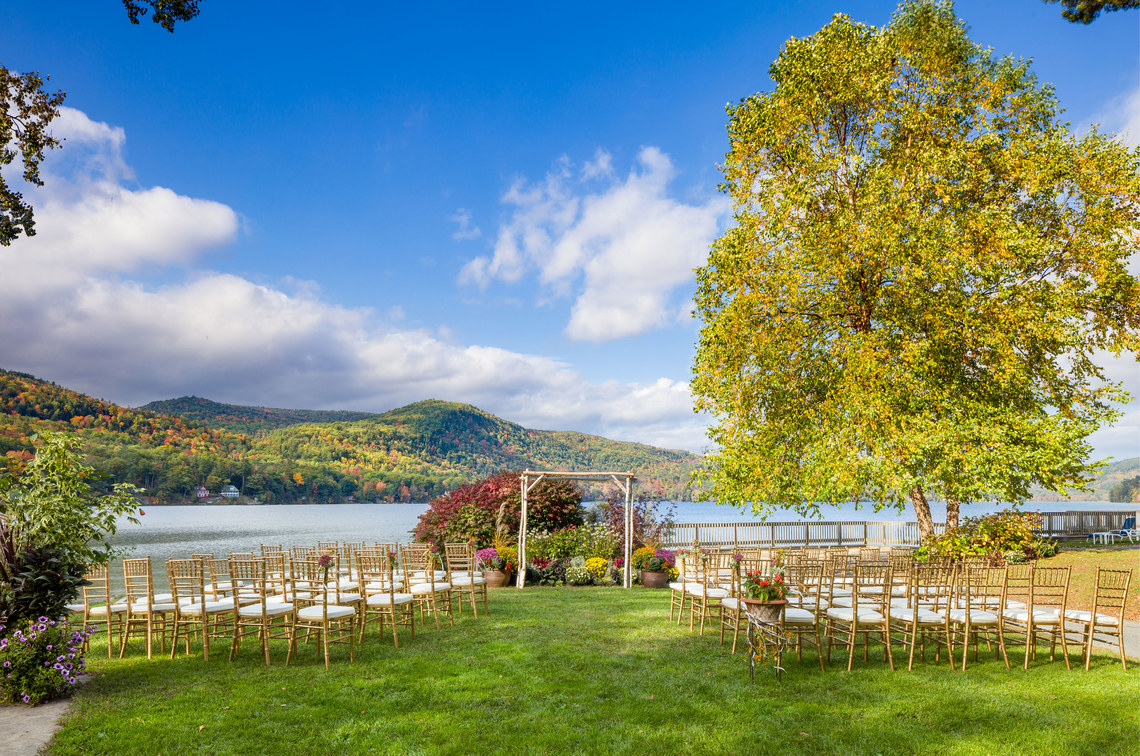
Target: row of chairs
[840, 601]
[329, 592]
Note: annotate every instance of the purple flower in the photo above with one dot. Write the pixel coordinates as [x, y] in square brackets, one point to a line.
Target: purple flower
[325, 560]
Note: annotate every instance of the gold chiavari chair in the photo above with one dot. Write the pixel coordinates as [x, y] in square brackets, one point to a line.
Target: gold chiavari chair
[923, 613]
[265, 618]
[384, 598]
[678, 589]
[333, 623]
[464, 578]
[1043, 617]
[193, 611]
[705, 595]
[801, 619]
[867, 615]
[427, 583]
[977, 611]
[1106, 620]
[98, 609]
[732, 614]
[147, 614]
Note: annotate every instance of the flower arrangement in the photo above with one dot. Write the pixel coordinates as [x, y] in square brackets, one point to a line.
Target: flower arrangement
[41, 659]
[654, 560]
[770, 587]
[503, 559]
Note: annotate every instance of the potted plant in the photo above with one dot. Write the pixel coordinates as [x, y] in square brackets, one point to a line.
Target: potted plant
[498, 564]
[765, 594]
[656, 566]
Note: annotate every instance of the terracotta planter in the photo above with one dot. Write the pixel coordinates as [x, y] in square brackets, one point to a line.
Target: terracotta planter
[654, 579]
[497, 578]
[767, 612]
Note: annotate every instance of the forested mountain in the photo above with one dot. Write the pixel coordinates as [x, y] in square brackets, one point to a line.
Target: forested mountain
[278, 456]
[239, 419]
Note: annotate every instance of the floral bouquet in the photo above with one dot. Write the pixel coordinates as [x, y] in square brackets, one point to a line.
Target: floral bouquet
[770, 587]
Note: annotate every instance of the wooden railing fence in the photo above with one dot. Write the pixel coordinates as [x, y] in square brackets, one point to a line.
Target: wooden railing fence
[863, 533]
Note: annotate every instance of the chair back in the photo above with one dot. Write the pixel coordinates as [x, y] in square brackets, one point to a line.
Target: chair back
[248, 573]
[322, 583]
[268, 548]
[1129, 524]
[96, 588]
[1111, 592]
[1050, 589]
[871, 588]
[187, 584]
[138, 582]
[982, 587]
[460, 559]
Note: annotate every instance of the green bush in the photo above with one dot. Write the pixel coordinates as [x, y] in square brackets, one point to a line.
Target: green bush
[1015, 556]
[577, 575]
[597, 541]
[43, 581]
[552, 544]
[995, 534]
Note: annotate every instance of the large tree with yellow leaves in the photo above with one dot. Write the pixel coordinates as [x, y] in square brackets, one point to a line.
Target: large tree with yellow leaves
[924, 266]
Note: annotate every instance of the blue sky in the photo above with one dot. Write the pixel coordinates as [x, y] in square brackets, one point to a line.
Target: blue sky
[360, 205]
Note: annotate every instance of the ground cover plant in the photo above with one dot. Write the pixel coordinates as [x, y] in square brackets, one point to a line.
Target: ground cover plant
[597, 670]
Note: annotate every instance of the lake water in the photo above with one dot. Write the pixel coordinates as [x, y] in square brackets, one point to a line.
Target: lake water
[165, 532]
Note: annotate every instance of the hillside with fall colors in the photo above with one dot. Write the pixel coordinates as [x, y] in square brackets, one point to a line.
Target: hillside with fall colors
[282, 456]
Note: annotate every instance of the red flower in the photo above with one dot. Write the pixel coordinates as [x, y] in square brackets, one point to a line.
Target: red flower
[141, 513]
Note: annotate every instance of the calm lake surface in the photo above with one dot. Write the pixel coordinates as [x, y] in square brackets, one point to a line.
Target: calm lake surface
[165, 532]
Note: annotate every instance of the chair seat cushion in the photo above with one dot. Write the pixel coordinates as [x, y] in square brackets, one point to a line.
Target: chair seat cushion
[422, 575]
[382, 585]
[977, 616]
[211, 607]
[290, 596]
[383, 599]
[1040, 616]
[467, 580]
[794, 616]
[924, 616]
[74, 608]
[731, 603]
[842, 601]
[420, 589]
[845, 614]
[272, 609]
[101, 611]
[142, 606]
[1078, 615]
[316, 612]
[713, 593]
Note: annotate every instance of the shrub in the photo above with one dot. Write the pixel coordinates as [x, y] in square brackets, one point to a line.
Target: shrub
[996, 534]
[43, 581]
[550, 572]
[1015, 556]
[40, 659]
[475, 512]
[576, 575]
[1043, 548]
[654, 560]
[552, 544]
[599, 540]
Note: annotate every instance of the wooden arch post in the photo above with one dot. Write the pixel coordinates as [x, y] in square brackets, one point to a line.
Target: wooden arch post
[623, 480]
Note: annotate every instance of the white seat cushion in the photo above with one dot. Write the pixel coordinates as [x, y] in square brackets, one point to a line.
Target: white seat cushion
[383, 599]
[348, 598]
[712, 593]
[466, 580]
[101, 611]
[273, 610]
[793, 616]
[289, 597]
[977, 617]
[142, 606]
[382, 585]
[422, 575]
[211, 607]
[925, 616]
[74, 608]
[845, 614]
[1040, 616]
[316, 612]
[420, 589]
[842, 601]
[731, 603]
[1078, 615]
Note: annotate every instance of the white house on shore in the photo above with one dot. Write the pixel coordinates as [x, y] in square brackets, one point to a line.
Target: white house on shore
[230, 492]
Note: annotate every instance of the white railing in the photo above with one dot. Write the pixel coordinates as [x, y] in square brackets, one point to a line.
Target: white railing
[863, 533]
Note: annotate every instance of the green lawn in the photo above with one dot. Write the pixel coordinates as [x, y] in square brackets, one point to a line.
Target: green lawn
[597, 671]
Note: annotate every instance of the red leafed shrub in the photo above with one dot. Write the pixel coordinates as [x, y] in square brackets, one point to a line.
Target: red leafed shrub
[471, 512]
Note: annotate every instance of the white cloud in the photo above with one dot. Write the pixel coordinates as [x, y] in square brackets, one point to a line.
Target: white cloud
[467, 230]
[69, 312]
[622, 252]
[1121, 116]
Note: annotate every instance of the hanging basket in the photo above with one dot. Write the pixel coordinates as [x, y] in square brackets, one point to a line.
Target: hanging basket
[768, 612]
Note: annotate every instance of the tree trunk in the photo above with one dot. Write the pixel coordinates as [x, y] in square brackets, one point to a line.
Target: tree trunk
[952, 507]
[922, 512]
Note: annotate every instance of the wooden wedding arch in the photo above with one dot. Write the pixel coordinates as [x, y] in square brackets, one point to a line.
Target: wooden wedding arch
[623, 480]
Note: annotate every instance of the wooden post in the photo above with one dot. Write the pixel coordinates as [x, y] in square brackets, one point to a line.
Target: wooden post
[520, 581]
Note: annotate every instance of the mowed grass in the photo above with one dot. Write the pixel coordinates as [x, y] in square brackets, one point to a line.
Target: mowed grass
[600, 671]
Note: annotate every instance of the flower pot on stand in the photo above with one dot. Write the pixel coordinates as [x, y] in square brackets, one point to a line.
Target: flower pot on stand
[767, 612]
[497, 578]
[654, 579]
